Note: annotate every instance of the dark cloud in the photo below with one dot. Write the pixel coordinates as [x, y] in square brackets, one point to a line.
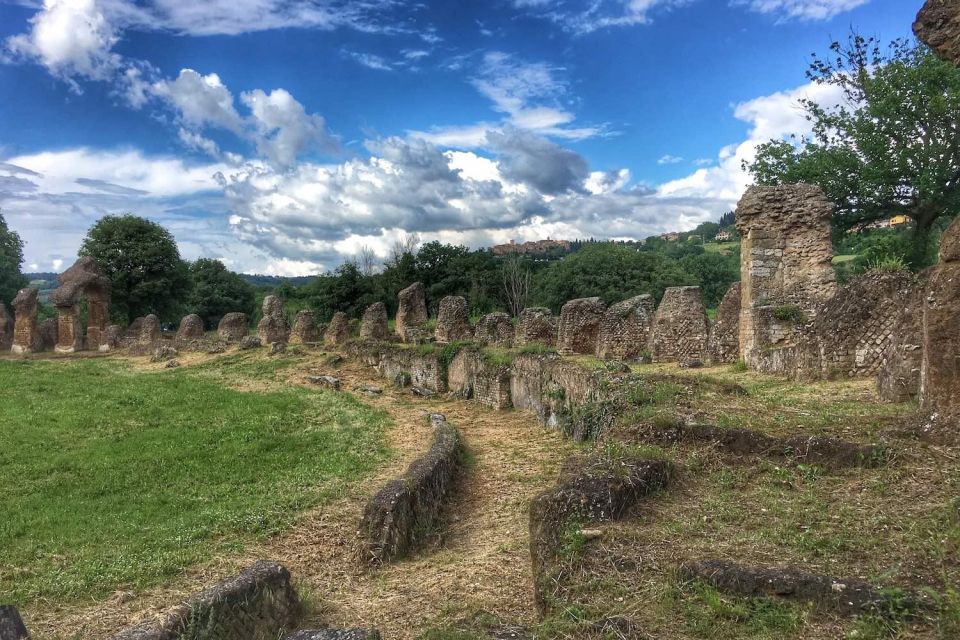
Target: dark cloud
[537, 162]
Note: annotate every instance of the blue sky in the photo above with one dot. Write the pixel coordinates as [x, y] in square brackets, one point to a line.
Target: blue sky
[285, 137]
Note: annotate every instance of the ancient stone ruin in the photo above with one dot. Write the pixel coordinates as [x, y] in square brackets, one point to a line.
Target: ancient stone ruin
[26, 334]
[6, 329]
[233, 327]
[373, 326]
[412, 313]
[899, 377]
[190, 333]
[338, 331]
[940, 367]
[680, 327]
[49, 334]
[149, 337]
[114, 336]
[625, 329]
[82, 280]
[273, 325]
[723, 344]
[579, 326]
[938, 25]
[536, 325]
[453, 320]
[495, 330]
[785, 270]
[305, 329]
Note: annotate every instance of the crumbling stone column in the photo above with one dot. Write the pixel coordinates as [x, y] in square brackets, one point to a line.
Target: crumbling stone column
[233, 327]
[373, 326]
[785, 271]
[83, 279]
[189, 333]
[680, 327]
[273, 325]
[6, 329]
[412, 313]
[723, 344]
[940, 368]
[938, 25]
[579, 326]
[536, 324]
[305, 329]
[495, 330]
[453, 320]
[26, 334]
[338, 331]
[625, 329]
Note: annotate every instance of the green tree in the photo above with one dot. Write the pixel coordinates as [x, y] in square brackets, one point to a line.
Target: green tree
[891, 147]
[11, 257]
[218, 291]
[141, 259]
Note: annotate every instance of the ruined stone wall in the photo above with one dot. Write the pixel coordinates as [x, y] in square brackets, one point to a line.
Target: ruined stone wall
[422, 369]
[723, 344]
[536, 325]
[495, 330]
[26, 334]
[940, 367]
[899, 377]
[579, 326]
[680, 327]
[938, 25]
[474, 377]
[453, 320]
[82, 280]
[551, 388]
[625, 329]
[785, 270]
[412, 313]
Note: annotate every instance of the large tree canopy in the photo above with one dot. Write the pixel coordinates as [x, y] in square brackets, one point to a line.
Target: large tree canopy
[141, 259]
[893, 145]
[11, 257]
[218, 291]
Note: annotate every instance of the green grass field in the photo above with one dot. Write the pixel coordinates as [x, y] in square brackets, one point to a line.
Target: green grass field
[115, 478]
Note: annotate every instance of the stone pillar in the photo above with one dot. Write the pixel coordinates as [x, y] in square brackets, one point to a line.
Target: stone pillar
[536, 324]
[495, 330]
[785, 270]
[338, 331]
[189, 333]
[233, 327]
[26, 336]
[580, 326]
[625, 329]
[940, 367]
[6, 329]
[680, 327]
[305, 330]
[453, 320]
[98, 317]
[69, 331]
[373, 326]
[273, 325]
[412, 313]
[723, 345]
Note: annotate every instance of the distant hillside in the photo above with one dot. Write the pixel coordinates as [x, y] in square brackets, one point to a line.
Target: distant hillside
[275, 281]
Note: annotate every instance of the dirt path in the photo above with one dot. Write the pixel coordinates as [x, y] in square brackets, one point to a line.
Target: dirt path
[478, 562]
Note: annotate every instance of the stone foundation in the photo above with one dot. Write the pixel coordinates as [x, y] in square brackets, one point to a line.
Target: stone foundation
[579, 326]
[420, 370]
[680, 327]
[723, 344]
[625, 329]
[472, 376]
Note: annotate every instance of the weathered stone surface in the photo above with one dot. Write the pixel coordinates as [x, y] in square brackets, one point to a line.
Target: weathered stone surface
[417, 369]
[625, 329]
[680, 327]
[335, 634]
[536, 325]
[373, 326]
[338, 331]
[579, 326]
[273, 325]
[83, 279]
[940, 367]
[305, 329]
[453, 320]
[257, 604]
[938, 25]
[163, 353]
[190, 333]
[11, 624]
[48, 334]
[6, 328]
[723, 344]
[233, 327]
[412, 313]
[250, 342]
[495, 330]
[785, 271]
[150, 336]
[472, 376]
[329, 382]
[26, 334]
[113, 337]
[133, 331]
[899, 377]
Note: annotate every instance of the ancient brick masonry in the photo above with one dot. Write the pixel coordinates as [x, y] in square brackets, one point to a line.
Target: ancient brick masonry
[625, 329]
[785, 271]
[723, 344]
[899, 377]
[536, 324]
[473, 376]
[273, 325]
[680, 327]
[83, 279]
[940, 368]
[412, 313]
[453, 320]
[233, 327]
[495, 330]
[26, 334]
[6, 329]
[579, 326]
[938, 25]
[338, 331]
[373, 325]
[305, 329]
